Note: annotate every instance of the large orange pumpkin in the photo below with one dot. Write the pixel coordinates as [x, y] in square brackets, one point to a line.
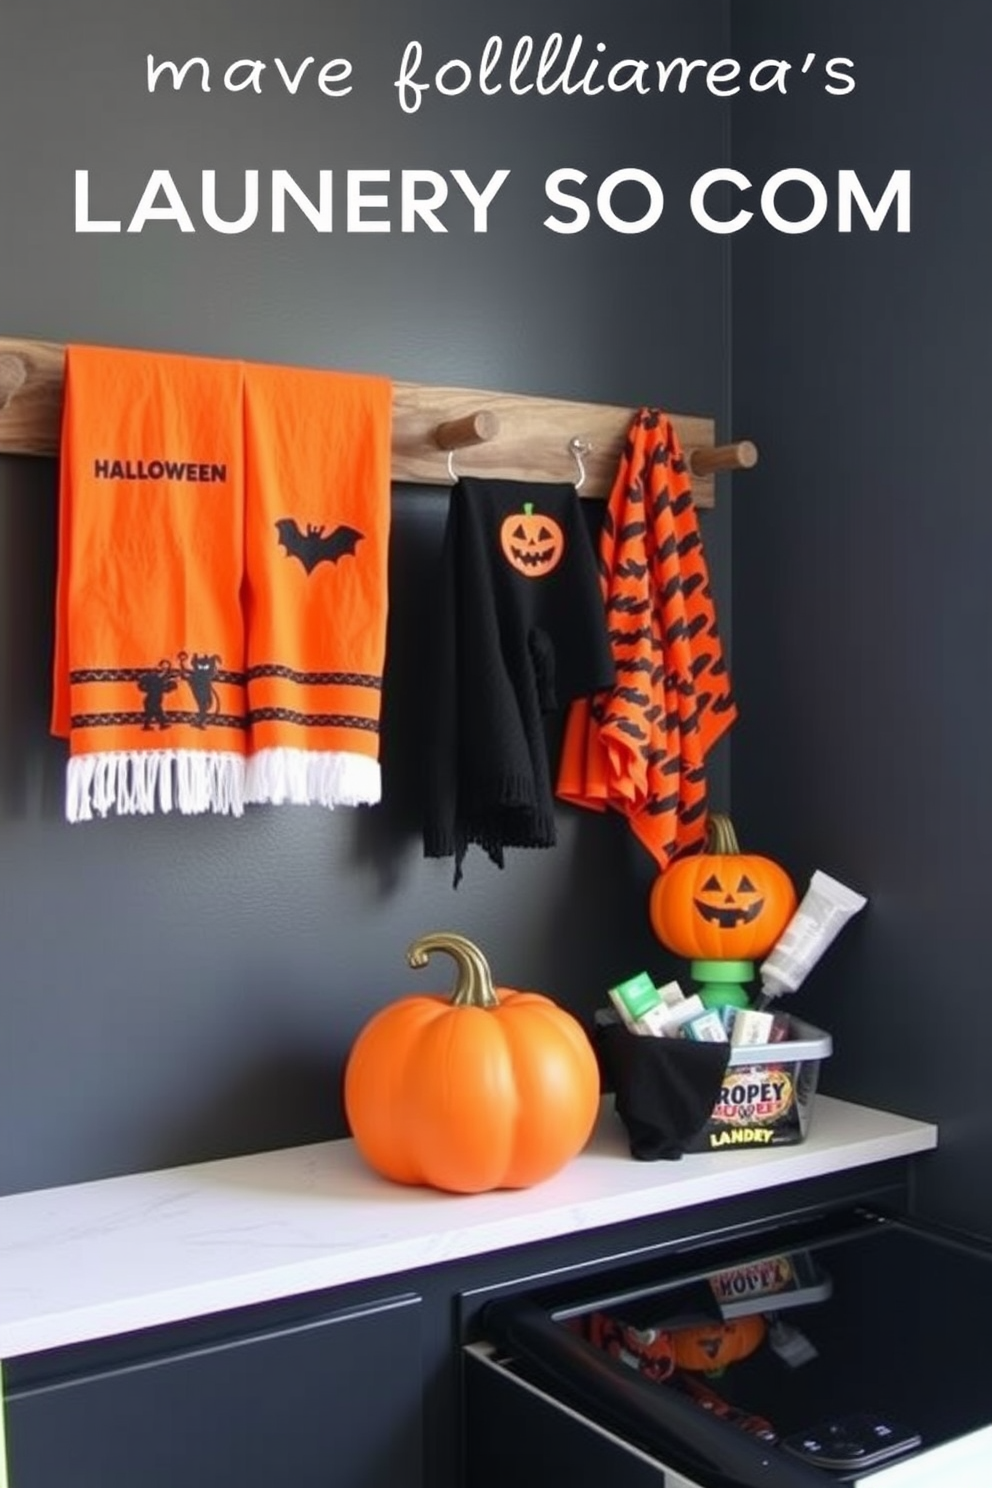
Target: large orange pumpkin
[721, 904]
[480, 1089]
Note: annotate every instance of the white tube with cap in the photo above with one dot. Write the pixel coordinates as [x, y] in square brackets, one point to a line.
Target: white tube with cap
[825, 909]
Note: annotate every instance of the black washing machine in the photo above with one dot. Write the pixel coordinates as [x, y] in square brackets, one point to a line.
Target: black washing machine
[853, 1348]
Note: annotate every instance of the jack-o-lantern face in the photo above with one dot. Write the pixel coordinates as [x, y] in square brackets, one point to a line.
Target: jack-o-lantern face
[728, 906]
[712, 1347]
[532, 544]
[721, 904]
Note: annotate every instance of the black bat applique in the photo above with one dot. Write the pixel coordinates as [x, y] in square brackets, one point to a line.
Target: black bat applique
[315, 545]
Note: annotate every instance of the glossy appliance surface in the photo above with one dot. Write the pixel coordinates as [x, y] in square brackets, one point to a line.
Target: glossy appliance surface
[837, 1350]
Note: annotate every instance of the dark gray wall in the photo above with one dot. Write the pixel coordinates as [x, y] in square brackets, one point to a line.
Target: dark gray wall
[863, 608]
[174, 989]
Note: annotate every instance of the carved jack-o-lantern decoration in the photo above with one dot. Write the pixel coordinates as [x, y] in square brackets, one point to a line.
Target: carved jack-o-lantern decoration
[721, 904]
[711, 1347]
[532, 544]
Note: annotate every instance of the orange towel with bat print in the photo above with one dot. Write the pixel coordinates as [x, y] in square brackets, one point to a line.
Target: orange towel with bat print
[641, 747]
[317, 490]
[149, 641]
[221, 596]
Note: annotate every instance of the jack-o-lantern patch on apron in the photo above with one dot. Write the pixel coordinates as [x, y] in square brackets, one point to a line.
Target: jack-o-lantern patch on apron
[533, 544]
[520, 633]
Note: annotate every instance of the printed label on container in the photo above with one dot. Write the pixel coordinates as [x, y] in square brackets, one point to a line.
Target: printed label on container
[759, 1094]
[742, 1136]
[764, 1278]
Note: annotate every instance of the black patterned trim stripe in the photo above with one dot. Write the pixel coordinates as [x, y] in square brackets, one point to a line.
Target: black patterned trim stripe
[238, 679]
[313, 720]
[315, 679]
[230, 720]
[126, 720]
[131, 674]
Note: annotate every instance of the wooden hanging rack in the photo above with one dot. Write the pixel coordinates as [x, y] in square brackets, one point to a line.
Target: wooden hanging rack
[512, 436]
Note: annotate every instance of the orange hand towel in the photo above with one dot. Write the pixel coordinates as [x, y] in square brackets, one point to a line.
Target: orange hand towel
[149, 645]
[317, 447]
[641, 747]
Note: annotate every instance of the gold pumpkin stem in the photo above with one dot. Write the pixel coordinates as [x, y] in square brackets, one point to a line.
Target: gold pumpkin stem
[720, 834]
[474, 986]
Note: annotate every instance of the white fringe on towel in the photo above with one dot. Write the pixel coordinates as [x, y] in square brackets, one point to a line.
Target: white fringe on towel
[306, 777]
[138, 782]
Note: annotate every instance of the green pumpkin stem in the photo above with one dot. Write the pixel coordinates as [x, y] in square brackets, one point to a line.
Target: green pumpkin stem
[528, 508]
[720, 834]
[474, 985]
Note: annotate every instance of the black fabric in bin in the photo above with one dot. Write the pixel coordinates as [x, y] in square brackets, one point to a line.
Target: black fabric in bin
[664, 1088]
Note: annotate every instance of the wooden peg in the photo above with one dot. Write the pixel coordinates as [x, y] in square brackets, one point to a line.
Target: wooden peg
[741, 456]
[474, 428]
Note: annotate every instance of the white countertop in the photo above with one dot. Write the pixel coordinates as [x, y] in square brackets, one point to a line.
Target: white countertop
[95, 1259]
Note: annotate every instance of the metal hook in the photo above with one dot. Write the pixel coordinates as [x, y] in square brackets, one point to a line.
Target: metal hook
[459, 433]
[579, 447]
